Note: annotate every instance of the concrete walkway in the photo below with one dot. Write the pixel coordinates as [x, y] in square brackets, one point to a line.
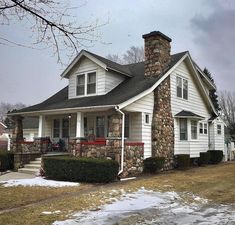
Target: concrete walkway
[15, 175]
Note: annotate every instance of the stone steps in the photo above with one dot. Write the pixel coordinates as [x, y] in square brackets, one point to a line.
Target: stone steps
[32, 168]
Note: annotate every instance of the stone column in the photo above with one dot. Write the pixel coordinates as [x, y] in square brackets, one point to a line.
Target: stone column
[163, 124]
[17, 133]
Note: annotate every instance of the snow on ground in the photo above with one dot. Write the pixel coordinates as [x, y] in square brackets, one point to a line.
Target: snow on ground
[148, 207]
[37, 181]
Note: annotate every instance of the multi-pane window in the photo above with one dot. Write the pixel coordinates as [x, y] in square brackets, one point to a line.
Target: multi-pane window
[203, 128]
[56, 128]
[193, 129]
[91, 83]
[100, 125]
[81, 84]
[182, 88]
[219, 129]
[86, 84]
[183, 129]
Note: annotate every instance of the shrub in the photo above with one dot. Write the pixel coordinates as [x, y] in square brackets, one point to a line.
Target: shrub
[70, 168]
[183, 161]
[204, 158]
[216, 156]
[6, 161]
[153, 164]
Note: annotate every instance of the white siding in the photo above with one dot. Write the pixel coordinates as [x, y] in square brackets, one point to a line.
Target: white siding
[216, 140]
[195, 104]
[112, 80]
[140, 131]
[87, 65]
[105, 80]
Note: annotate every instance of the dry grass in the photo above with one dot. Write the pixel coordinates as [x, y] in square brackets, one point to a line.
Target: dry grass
[216, 183]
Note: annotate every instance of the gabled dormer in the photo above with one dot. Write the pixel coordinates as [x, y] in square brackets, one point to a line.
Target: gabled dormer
[92, 75]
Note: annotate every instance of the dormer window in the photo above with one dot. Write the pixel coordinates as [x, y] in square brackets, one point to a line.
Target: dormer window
[86, 84]
[182, 88]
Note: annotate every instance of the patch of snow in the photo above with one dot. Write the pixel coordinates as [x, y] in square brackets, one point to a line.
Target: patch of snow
[37, 181]
[149, 207]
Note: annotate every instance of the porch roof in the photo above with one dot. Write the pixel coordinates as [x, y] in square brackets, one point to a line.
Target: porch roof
[188, 114]
[129, 88]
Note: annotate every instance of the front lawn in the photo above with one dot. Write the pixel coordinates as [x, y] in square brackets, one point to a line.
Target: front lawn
[214, 182]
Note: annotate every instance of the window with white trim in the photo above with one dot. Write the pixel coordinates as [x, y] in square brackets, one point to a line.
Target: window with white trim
[182, 88]
[193, 129]
[86, 84]
[183, 129]
[219, 129]
[147, 118]
[56, 128]
[203, 128]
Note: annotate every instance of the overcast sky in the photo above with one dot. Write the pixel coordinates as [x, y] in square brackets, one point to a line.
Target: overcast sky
[204, 27]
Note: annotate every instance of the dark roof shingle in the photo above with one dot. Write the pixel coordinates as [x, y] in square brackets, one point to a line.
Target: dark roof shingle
[129, 88]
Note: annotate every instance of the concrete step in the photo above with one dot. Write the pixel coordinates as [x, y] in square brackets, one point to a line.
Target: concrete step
[38, 159]
[33, 166]
[35, 162]
[28, 171]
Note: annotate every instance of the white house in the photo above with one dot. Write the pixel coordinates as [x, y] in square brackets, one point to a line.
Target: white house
[162, 103]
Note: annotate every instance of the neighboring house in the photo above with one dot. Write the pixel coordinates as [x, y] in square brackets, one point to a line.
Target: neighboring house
[164, 100]
[3, 128]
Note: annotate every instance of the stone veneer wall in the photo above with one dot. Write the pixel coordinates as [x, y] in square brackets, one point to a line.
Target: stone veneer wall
[133, 154]
[157, 53]
[163, 124]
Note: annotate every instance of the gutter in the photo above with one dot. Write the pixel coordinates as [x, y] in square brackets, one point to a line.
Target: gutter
[122, 145]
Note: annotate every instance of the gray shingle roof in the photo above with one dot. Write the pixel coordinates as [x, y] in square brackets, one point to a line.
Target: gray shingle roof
[129, 88]
[187, 114]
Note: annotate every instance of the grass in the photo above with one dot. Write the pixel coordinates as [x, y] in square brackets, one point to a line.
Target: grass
[215, 182]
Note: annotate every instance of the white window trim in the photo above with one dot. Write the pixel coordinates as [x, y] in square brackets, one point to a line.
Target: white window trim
[219, 129]
[203, 128]
[149, 123]
[188, 129]
[85, 87]
[182, 85]
[196, 139]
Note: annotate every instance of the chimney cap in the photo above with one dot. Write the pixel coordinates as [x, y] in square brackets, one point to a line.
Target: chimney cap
[156, 33]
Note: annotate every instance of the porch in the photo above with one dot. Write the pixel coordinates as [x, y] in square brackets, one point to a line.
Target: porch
[96, 134]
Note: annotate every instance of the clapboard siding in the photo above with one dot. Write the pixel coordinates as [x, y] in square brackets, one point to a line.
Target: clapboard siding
[84, 66]
[195, 104]
[142, 132]
[216, 140]
[112, 80]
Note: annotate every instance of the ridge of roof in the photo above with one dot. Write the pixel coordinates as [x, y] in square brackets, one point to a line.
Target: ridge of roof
[135, 85]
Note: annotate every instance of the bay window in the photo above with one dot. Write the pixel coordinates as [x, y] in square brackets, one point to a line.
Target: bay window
[193, 129]
[183, 129]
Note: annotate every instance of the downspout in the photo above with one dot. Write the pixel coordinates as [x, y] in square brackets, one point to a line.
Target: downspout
[122, 142]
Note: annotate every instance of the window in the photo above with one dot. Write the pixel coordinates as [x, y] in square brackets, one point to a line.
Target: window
[81, 84]
[203, 128]
[65, 127]
[86, 84]
[193, 129]
[219, 129]
[100, 124]
[183, 129]
[182, 88]
[91, 83]
[126, 129]
[56, 128]
[147, 119]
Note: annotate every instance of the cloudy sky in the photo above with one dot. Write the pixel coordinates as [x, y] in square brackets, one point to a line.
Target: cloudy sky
[204, 27]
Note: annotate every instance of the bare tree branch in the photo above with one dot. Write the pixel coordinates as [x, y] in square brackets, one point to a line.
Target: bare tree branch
[51, 23]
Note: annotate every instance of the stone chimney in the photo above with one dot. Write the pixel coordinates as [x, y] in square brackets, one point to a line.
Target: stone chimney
[157, 53]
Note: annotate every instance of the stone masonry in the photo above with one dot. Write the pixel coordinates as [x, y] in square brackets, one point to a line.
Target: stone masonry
[163, 124]
[157, 60]
[157, 53]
